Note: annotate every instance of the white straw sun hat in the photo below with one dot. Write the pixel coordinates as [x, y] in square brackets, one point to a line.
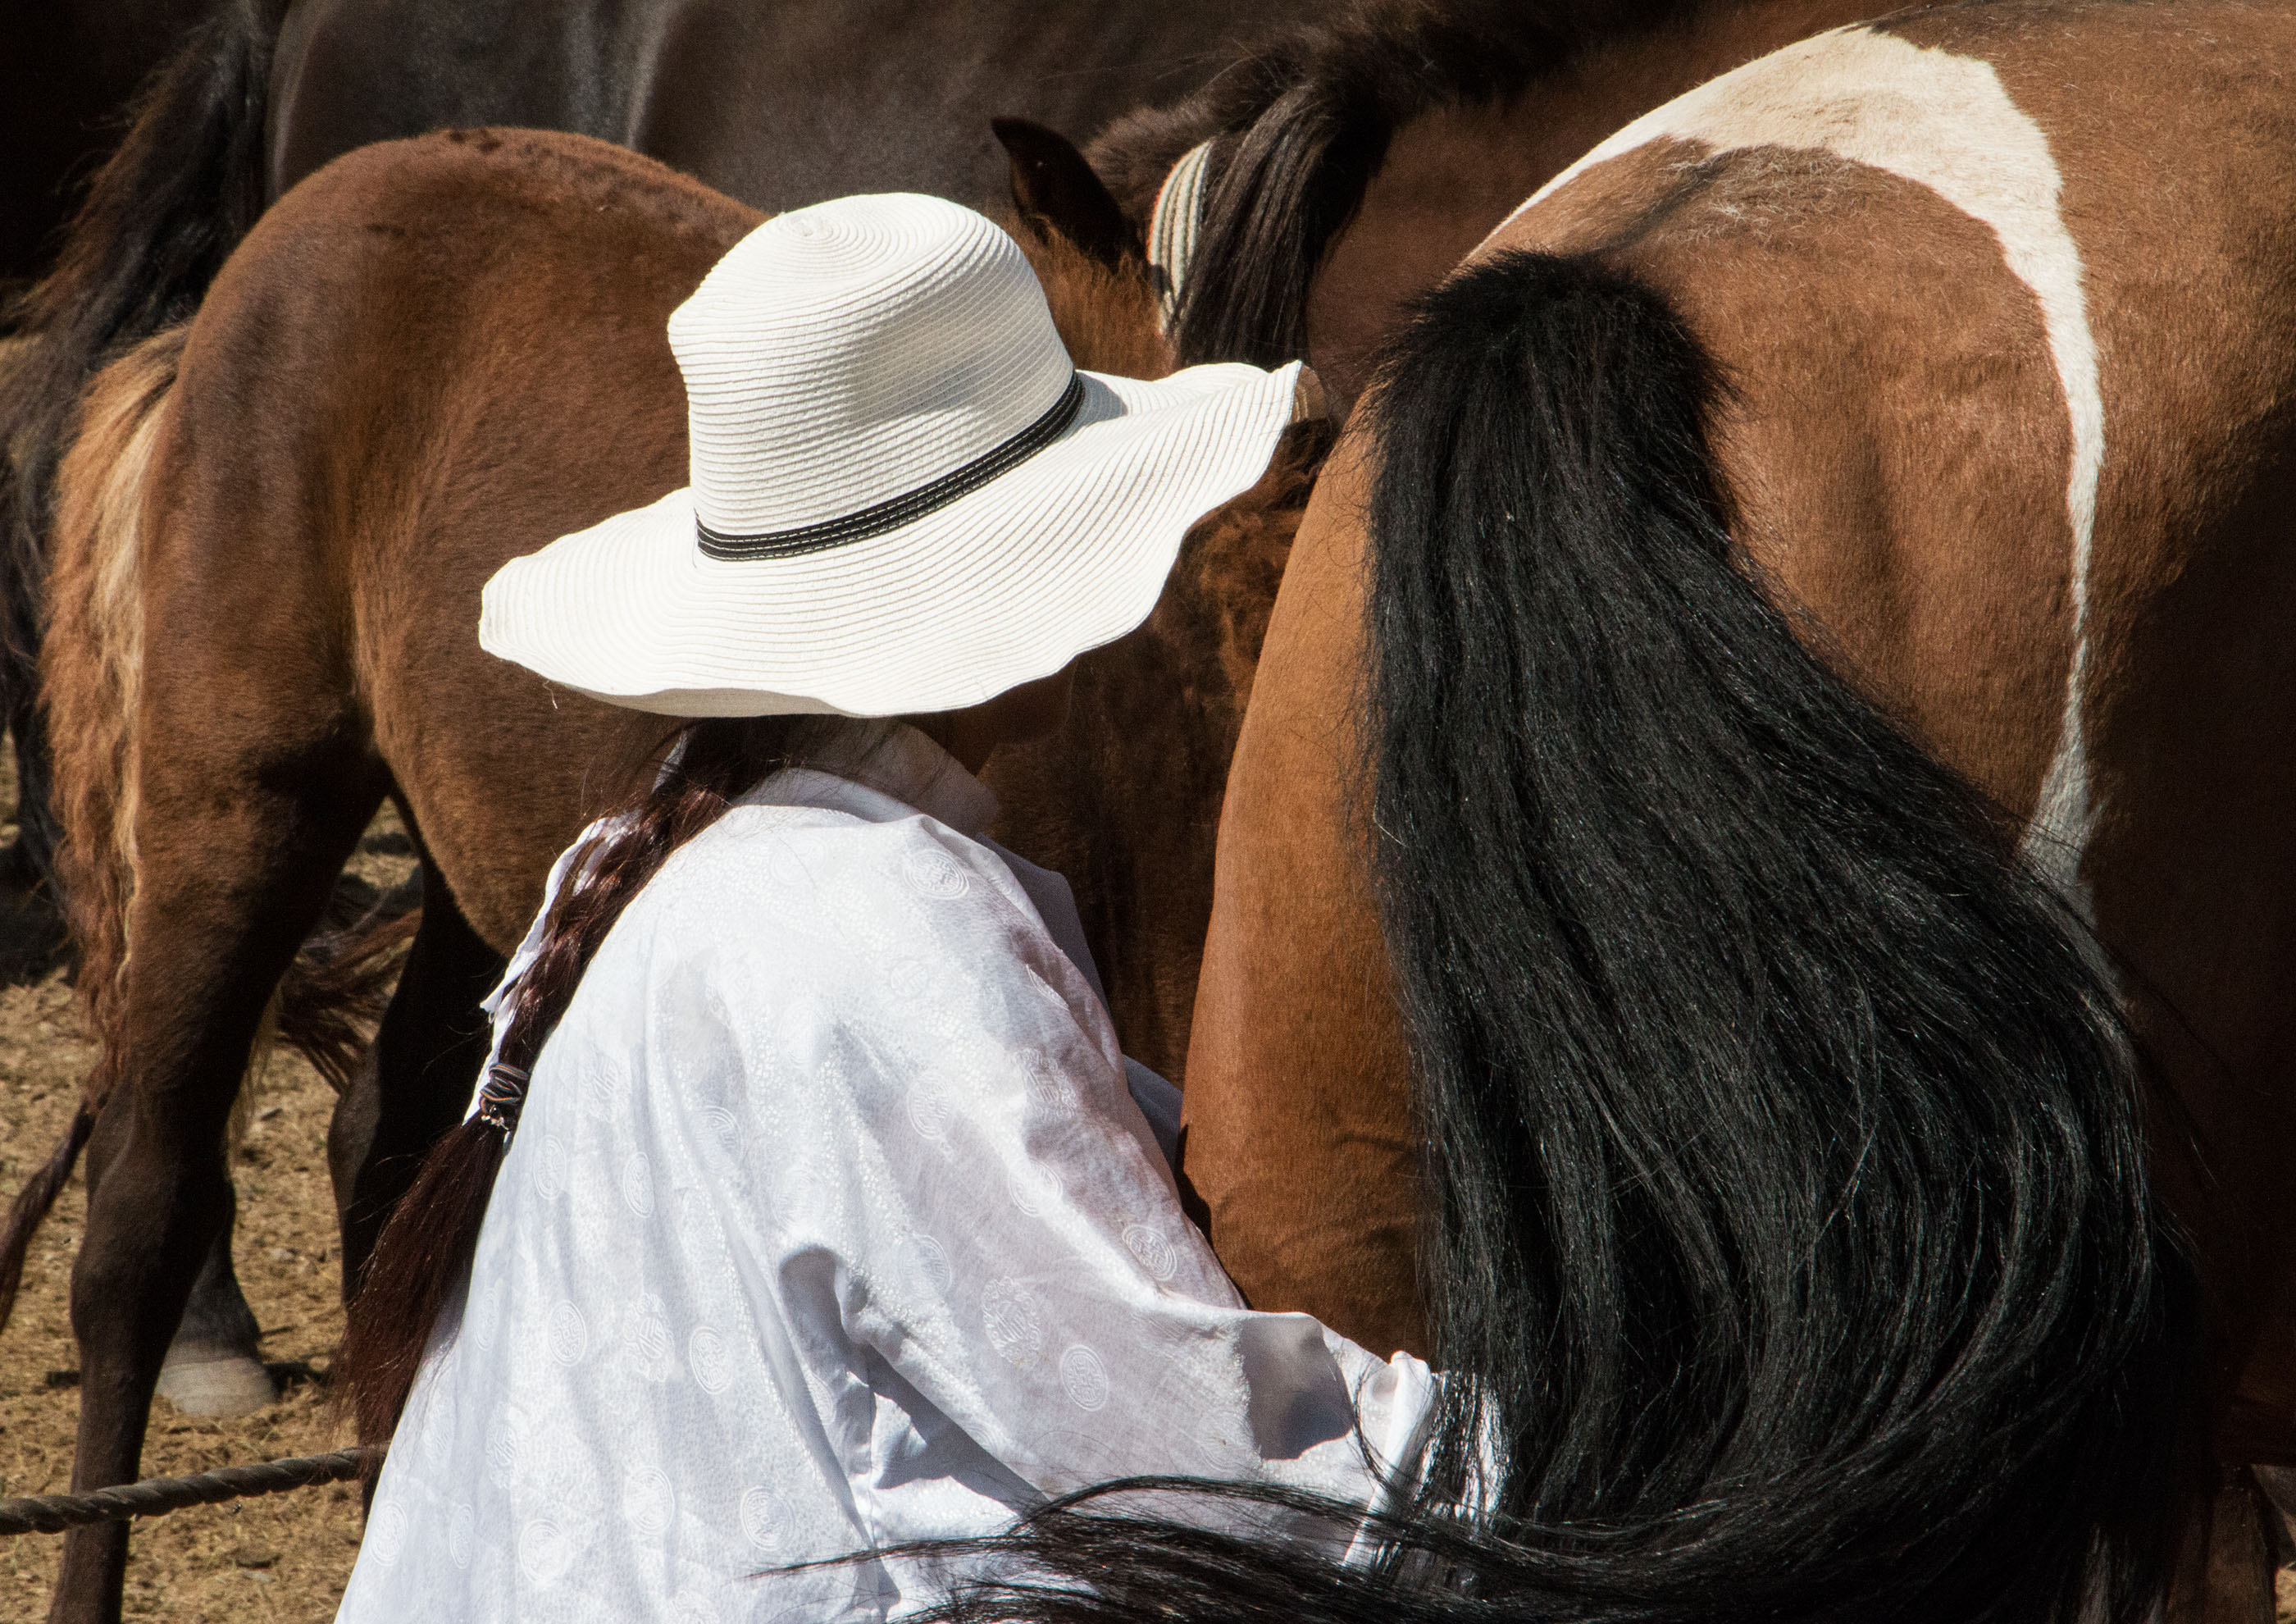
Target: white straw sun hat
[905, 496]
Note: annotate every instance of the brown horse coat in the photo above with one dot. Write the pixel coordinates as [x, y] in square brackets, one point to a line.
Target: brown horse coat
[1455, 171]
[2011, 417]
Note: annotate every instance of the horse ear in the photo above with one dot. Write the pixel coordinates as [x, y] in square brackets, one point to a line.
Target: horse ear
[1056, 190]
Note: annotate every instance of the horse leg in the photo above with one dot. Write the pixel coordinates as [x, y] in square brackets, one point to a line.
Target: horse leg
[224, 894]
[213, 1367]
[417, 1079]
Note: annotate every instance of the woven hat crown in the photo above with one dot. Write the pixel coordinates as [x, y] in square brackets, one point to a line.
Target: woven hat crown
[851, 352]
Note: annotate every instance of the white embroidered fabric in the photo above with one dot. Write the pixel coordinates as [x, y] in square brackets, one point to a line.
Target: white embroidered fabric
[831, 1224]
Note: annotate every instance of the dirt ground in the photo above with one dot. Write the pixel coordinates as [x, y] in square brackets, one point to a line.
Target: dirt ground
[279, 1560]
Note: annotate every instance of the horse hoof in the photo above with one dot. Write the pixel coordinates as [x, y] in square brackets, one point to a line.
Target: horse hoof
[224, 1386]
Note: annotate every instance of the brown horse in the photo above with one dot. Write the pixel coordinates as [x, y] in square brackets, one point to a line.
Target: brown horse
[432, 357]
[1351, 157]
[2008, 422]
[774, 103]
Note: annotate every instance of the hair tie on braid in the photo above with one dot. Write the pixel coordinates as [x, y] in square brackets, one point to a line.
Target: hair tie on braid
[503, 1097]
[420, 1258]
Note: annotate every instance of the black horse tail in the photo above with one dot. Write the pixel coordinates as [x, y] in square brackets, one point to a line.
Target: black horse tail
[1300, 128]
[1784, 1145]
[161, 217]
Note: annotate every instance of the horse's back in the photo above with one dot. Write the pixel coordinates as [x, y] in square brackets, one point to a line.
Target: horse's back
[1977, 337]
[431, 356]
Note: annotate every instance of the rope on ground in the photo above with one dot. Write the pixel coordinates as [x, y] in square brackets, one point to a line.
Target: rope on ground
[52, 1513]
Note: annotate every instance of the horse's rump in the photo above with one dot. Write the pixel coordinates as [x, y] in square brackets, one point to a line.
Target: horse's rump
[2011, 424]
[489, 302]
[348, 350]
[1978, 493]
[2005, 430]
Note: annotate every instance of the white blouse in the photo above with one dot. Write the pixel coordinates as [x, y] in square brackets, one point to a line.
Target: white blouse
[831, 1224]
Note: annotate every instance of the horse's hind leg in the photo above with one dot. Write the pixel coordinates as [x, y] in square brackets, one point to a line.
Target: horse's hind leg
[236, 851]
[418, 1077]
[212, 1367]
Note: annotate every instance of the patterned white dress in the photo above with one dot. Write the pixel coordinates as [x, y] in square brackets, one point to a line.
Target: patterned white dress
[831, 1223]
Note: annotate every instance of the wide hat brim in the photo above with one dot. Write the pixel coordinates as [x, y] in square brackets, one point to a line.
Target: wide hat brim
[1064, 553]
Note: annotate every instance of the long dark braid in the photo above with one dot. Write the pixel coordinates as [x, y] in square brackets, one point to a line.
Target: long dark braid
[421, 1255]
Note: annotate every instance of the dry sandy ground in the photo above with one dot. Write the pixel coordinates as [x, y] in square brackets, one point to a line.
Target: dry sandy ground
[280, 1559]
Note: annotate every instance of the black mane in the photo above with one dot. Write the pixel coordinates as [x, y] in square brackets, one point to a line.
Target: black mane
[1301, 125]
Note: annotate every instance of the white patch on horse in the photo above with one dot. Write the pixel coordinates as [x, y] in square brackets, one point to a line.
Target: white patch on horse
[1946, 122]
[1172, 226]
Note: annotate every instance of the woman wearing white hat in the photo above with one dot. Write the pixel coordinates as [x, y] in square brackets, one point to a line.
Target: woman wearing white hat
[806, 1207]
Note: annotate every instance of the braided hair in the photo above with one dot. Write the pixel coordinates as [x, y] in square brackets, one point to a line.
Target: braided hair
[421, 1256]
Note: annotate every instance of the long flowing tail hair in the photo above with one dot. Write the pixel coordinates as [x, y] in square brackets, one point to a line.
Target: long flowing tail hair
[1791, 1246]
[91, 680]
[94, 670]
[1786, 1147]
[161, 217]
